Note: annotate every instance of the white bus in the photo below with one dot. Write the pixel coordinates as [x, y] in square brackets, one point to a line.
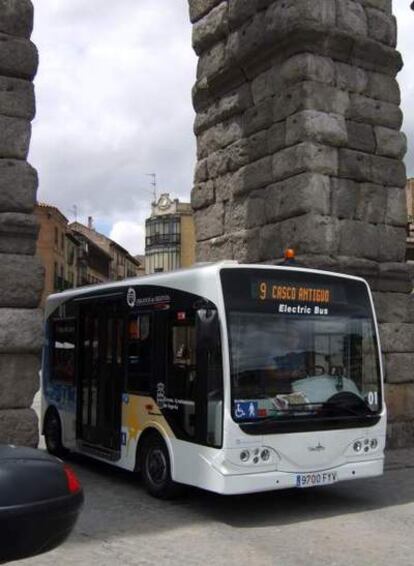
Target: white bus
[232, 378]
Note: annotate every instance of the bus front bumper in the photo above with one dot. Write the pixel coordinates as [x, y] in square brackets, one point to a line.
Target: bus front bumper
[269, 481]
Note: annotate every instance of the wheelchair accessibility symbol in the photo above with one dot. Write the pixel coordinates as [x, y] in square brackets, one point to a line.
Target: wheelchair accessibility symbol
[245, 410]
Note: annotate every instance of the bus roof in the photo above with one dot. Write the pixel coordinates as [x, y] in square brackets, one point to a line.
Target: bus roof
[180, 279]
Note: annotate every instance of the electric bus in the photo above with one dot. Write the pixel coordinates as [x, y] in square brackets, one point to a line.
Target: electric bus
[232, 378]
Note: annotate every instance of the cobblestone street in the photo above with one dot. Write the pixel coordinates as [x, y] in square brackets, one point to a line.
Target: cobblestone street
[357, 523]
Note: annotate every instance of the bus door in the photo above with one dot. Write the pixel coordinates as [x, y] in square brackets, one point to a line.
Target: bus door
[101, 376]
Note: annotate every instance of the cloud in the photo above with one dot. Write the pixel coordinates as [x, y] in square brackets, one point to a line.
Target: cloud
[130, 235]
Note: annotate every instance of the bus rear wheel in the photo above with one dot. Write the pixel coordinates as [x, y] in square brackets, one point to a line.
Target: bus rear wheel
[52, 431]
[156, 469]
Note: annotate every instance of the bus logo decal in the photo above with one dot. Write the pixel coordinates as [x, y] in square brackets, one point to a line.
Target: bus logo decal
[131, 297]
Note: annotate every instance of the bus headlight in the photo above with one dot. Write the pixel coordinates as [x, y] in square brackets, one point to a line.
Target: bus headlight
[244, 455]
[374, 443]
[358, 446]
[265, 454]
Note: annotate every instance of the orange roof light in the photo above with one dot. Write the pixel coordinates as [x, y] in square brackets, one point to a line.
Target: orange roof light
[289, 253]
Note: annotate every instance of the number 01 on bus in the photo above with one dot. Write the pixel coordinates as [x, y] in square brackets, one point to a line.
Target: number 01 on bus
[232, 378]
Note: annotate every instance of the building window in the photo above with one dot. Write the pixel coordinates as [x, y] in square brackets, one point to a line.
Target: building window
[56, 237]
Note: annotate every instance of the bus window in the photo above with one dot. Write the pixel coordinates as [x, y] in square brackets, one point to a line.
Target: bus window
[182, 370]
[139, 352]
[63, 351]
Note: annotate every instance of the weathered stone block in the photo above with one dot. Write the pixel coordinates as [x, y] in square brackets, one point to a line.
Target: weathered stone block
[382, 27]
[258, 145]
[215, 249]
[400, 401]
[390, 143]
[396, 209]
[276, 137]
[310, 95]
[384, 5]
[16, 17]
[202, 195]
[297, 196]
[392, 243]
[219, 136]
[211, 61]
[399, 368]
[18, 57]
[345, 196]
[320, 231]
[383, 87]
[285, 16]
[372, 202]
[394, 277]
[14, 137]
[244, 213]
[211, 28]
[263, 86]
[375, 56]
[316, 126]
[19, 380]
[400, 434]
[21, 331]
[349, 77]
[19, 426]
[365, 167]
[21, 281]
[200, 172]
[392, 307]
[217, 163]
[240, 11]
[253, 176]
[236, 102]
[209, 222]
[246, 245]
[360, 136]
[199, 8]
[258, 118]
[358, 239]
[351, 17]
[246, 41]
[18, 233]
[305, 157]
[18, 186]
[224, 187]
[304, 67]
[375, 112]
[397, 337]
[17, 98]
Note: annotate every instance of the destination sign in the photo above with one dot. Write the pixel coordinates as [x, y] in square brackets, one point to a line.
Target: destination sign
[266, 290]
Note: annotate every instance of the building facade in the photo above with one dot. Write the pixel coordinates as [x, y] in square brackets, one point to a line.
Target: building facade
[74, 255]
[169, 236]
[409, 189]
[122, 263]
[58, 249]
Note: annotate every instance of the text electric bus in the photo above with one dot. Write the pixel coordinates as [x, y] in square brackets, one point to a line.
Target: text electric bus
[233, 378]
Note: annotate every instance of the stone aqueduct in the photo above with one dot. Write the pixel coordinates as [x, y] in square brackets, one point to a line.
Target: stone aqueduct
[298, 143]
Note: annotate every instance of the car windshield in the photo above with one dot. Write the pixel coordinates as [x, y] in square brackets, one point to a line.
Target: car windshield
[301, 348]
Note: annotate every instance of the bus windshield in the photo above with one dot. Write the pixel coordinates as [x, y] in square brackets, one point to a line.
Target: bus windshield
[300, 345]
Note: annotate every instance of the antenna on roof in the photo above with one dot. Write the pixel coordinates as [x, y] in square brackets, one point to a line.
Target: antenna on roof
[154, 184]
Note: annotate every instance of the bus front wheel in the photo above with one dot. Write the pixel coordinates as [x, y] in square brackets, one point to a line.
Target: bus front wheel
[52, 431]
[156, 469]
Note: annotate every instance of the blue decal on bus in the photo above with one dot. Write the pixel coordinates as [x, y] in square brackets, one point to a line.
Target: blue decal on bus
[246, 410]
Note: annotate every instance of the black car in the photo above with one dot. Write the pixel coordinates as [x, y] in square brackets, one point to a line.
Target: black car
[40, 500]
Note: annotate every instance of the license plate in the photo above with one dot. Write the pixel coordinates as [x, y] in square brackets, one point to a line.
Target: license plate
[317, 478]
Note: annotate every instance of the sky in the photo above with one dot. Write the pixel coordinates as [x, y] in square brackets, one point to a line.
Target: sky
[113, 94]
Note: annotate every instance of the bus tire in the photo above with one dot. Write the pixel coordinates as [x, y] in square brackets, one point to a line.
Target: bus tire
[156, 468]
[52, 430]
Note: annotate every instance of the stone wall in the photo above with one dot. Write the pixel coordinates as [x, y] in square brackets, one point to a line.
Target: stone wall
[21, 273]
[299, 144]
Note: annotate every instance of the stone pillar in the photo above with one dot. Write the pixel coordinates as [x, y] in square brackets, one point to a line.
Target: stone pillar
[299, 144]
[21, 273]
